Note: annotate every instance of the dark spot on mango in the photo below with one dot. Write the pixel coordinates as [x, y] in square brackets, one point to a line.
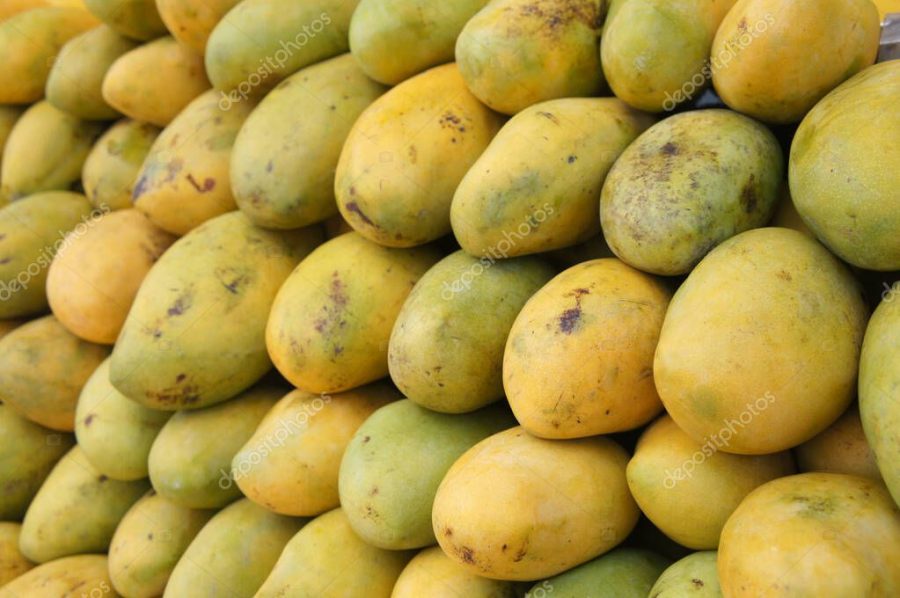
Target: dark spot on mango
[670, 149]
[697, 582]
[521, 554]
[784, 275]
[748, 195]
[89, 419]
[466, 554]
[102, 478]
[366, 439]
[503, 548]
[6, 260]
[549, 117]
[208, 184]
[140, 188]
[569, 320]
[354, 208]
[150, 536]
[180, 377]
[374, 491]
[269, 166]
[181, 305]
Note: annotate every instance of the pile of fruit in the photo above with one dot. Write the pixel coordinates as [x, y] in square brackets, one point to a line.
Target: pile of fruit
[432, 298]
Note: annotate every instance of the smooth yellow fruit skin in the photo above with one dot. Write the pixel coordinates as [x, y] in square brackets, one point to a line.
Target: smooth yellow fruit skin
[10, 8]
[761, 342]
[406, 154]
[621, 573]
[695, 575]
[154, 82]
[191, 23]
[43, 367]
[195, 334]
[290, 465]
[12, 563]
[284, 157]
[148, 542]
[327, 559]
[549, 505]
[593, 329]
[94, 277]
[329, 326]
[784, 56]
[432, 573]
[112, 166]
[841, 448]
[68, 577]
[813, 534]
[137, 19]
[885, 7]
[8, 117]
[689, 490]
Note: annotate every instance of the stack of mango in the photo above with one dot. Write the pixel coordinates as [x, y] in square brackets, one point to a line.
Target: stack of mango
[417, 298]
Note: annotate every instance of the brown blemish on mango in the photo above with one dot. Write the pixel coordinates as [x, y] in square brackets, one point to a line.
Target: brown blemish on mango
[569, 320]
[354, 208]
[748, 195]
[208, 184]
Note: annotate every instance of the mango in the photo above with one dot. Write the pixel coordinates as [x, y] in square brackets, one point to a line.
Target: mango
[443, 353]
[841, 448]
[432, 573]
[14, 7]
[233, 553]
[622, 573]
[94, 277]
[190, 460]
[112, 166]
[84, 574]
[790, 384]
[8, 117]
[844, 191]
[76, 510]
[284, 157]
[786, 215]
[329, 326]
[291, 463]
[693, 576]
[155, 82]
[549, 505]
[42, 369]
[148, 543]
[406, 154]
[593, 329]
[195, 334]
[137, 19]
[886, 7]
[315, 563]
[813, 534]
[191, 23]
[12, 563]
[769, 52]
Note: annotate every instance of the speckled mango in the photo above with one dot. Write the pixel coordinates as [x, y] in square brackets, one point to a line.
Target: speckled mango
[694, 576]
[67, 577]
[841, 448]
[12, 563]
[191, 23]
[537, 185]
[329, 326]
[283, 160]
[137, 19]
[432, 573]
[112, 165]
[407, 153]
[195, 334]
[621, 573]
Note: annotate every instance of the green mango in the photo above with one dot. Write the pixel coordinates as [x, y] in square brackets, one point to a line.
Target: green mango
[694, 576]
[137, 19]
[622, 573]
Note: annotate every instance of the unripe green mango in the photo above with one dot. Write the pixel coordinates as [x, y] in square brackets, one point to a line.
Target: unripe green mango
[694, 576]
[622, 573]
[112, 166]
[137, 19]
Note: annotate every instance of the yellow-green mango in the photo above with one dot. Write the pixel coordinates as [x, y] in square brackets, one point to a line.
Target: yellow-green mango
[443, 353]
[291, 463]
[112, 166]
[689, 490]
[115, 433]
[407, 153]
[27, 454]
[395, 462]
[761, 342]
[432, 573]
[622, 573]
[811, 535]
[70, 577]
[694, 576]
[154, 82]
[137, 19]
[687, 184]
[12, 563]
[841, 448]
[329, 326]
[31, 231]
[76, 510]
[10, 8]
[42, 369]
[260, 42]
[233, 553]
[844, 188]
[769, 53]
[515, 53]
[45, 151]
[537, 185]
[8, 117]
[75, 81]
[283, 160]
[523, 508]
[392, 40]
[148, 542]
[593, 329]
[29, 41]
[192, 22]
[195, 334]
[326, 558]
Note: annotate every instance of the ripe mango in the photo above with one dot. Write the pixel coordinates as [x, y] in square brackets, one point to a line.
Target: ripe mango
[622, 573]
[84, 574]
[695, 575]
[137, 19]
[12, 563]
[432, 573]
[192, 22]
[8, 117]
[112, 166]
[841, 448]
[14, 7]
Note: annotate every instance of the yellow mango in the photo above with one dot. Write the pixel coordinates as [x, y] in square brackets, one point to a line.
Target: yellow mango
[137, 19]
[841, 448]
[432, 573]
[621, 573]
[81, 575]
[192, 22]
[695, 575]
[8, 117]
[14, 7]
[885, 7]
[12, 563]
[112, 165]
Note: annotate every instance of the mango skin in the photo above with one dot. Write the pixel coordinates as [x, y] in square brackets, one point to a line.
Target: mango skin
[773, 74]
[622, 573]
[42, 370]
[233, 553]
[329, 326]
[284, 157]
[692, 506]
[550, 506]
[112, 166]
[593, 329]
[192, 23]
[148, 543]
[432, 573]
[195, 334]
[8, 117]
[27, 455]
[406, 154]
[291, 463]
[315, 563]
[843, 192]
[12, 563]
[394, 40]
[155, 82]
[694, 576]
[89, 290]
[792, 384]
[69, 576]
[30, 234]
[841, 448]
[791, 536]
[137, 19]
[190, 459]
[687, 184]
[443, 353]
[536, 187]
[14, 7]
